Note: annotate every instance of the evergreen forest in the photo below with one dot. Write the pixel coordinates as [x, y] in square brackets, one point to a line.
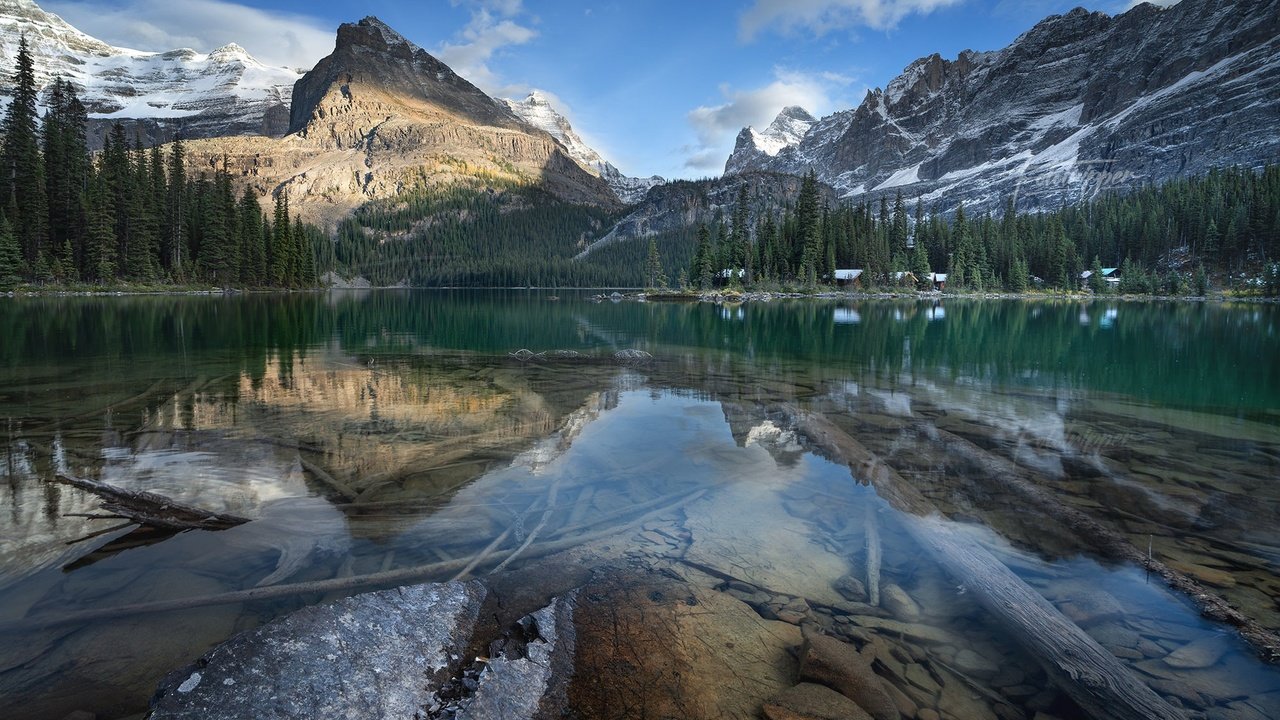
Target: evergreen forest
[128, 214]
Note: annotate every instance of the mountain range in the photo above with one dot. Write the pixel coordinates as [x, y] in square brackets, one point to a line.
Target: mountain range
[229, 94]
[224, 92]
[1081, 104]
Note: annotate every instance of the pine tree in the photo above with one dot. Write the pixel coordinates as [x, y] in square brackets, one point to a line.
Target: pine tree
[1096, 282]
[705, 259]
[100, 250]
[920, 266]
[653, 267]
[175, 250]
[809, 222]
[281, 243]
[11, 265]
[22, 181]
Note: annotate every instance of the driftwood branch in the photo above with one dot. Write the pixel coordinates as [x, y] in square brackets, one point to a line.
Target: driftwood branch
[400, 576]
[1093, 677]
[153, 510]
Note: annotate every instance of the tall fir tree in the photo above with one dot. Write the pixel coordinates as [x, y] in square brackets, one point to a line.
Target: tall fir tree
[22, 180]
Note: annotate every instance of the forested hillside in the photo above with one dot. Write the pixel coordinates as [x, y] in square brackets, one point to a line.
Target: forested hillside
[129, 214]
[1227, 222]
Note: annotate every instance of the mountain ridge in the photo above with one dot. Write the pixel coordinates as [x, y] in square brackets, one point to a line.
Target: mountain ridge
[537, 110]
[157, 94]
[380, 117]
[1081, 103]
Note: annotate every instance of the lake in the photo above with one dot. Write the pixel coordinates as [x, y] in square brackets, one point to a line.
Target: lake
[366, 432]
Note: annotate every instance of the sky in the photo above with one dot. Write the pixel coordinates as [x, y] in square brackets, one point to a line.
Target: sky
[657, 86]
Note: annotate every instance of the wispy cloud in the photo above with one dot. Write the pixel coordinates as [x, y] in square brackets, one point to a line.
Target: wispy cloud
[275, 38]
[716, 126]
[820, 17]
[494, 26]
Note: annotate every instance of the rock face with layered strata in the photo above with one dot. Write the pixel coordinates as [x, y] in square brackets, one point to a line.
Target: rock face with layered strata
[380, 117]
[1080, 104]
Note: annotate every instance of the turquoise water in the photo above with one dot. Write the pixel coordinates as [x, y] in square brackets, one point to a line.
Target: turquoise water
[365, 432]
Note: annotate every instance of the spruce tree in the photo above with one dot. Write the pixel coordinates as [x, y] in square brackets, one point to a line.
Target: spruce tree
[653, 266]
[175, 241]
[920, 265]
[22, 181]
[11, 264]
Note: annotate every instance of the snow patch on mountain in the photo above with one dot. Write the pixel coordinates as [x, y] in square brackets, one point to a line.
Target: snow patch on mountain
[1081, 104]
[536, 110]
[786, 131]
[226, 89]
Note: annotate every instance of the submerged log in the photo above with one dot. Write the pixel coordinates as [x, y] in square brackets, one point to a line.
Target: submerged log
[153, 510]
[398, 576]
[1011, 478]
[872, 530]
[1090, 675]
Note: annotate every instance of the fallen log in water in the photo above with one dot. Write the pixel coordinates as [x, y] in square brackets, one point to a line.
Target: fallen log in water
[153, 510]
[873, 556]
[1090, 675]
[400, 576]
[1011, 478]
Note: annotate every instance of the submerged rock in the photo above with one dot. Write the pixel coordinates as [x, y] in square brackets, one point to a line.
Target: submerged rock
[898, 602]
[851, 588]
[373, 655]
[840, 666]
[808, 701]
[1200, 653]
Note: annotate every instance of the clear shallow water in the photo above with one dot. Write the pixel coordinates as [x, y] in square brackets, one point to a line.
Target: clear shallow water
[1161, 420]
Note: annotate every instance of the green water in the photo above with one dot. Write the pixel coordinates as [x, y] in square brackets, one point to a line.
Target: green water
[1162, 421]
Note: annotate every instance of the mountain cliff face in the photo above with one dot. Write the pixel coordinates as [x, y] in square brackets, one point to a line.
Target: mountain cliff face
[1081, 104]
[380, 116]
[754, 149]
[538, 111]
[682, 204]
[225, 92]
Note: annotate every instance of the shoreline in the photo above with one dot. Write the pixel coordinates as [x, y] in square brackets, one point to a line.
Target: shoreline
[718, 297]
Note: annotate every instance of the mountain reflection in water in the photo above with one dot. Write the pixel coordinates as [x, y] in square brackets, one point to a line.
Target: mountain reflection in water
[368, 432]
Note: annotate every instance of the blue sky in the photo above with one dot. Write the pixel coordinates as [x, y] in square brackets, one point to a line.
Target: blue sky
[658, 87]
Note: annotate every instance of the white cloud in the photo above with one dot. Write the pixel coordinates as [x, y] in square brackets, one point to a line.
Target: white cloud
[1160, 3]
[717, 126]
[823, 16]
[275, 38]
[494, 25]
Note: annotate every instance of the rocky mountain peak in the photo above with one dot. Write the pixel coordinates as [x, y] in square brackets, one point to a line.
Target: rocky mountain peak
[536, 109]
[786, 130]
[376, 35]
[375, 68]
[224, 92]
[1080, 104]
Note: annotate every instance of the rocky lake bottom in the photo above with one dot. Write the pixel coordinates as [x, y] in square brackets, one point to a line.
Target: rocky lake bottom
[973, 510]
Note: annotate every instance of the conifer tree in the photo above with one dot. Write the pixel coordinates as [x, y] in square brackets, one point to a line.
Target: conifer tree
[920, 265]
[11, 264]
[653, 266]
[175, 245]
[22, 180]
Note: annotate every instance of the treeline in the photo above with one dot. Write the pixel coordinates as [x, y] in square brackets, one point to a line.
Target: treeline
[1227, 221]
[485, 233]
[129, 214]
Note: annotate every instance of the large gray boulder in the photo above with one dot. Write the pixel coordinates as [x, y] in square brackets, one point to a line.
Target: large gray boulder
[377, 655]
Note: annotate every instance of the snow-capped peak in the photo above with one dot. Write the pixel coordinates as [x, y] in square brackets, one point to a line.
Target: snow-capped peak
[226, 91]
[787, 129]
[537, 110]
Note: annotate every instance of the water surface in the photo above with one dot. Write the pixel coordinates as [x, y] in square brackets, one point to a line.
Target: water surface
[369, 431]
